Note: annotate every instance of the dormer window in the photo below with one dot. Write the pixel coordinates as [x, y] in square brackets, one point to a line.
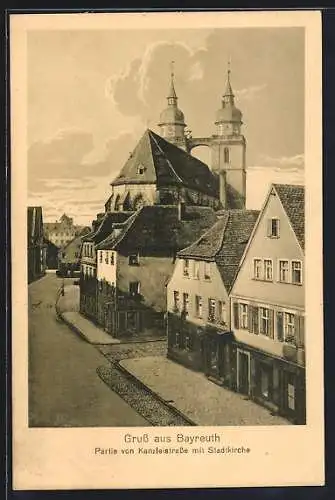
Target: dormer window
[134, 259]
[140, 169]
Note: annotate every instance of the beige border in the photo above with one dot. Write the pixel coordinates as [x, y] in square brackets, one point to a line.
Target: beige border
[63, 458]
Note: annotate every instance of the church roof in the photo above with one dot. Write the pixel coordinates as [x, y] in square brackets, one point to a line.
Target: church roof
[224, 242]
[165, 164]
[106, 225]
[158, 228]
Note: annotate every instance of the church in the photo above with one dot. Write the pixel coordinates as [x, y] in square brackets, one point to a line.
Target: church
[162, 171]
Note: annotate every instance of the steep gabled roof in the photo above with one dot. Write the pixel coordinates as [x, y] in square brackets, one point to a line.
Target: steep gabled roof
[292, 198]
[225, 242]
[106, 226]
[157, 228]
[165, 164]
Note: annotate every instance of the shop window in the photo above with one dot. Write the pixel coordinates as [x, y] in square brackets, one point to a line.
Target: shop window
[296, 272]
[291, 397]
[266, 381]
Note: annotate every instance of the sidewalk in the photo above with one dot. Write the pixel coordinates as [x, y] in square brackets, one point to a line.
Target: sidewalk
[68, 309]
[87, 329]
[202, 401]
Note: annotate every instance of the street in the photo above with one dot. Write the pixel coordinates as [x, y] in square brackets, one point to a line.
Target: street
[64, 388]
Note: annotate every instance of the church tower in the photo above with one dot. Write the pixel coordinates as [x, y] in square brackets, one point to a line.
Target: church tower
[172, 122]
[228, 147]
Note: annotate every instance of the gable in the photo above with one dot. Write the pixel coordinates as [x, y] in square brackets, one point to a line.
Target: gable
[261, 246]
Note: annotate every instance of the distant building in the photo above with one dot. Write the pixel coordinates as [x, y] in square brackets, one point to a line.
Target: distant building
[60, 233]
[268, 307]
[198, 294]
[69, 256]
[36, 245]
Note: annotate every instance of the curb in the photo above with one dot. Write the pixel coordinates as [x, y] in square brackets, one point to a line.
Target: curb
[153, 393]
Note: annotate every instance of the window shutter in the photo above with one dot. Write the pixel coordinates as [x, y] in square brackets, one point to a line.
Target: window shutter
[269, 227]
[280, 326]
[256, 320]
[236, 318]
[297, 328]
[271, 329]
[250, 324]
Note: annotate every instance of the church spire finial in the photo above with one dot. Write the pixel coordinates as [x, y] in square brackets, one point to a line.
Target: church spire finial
[229, 95]
[172, 93]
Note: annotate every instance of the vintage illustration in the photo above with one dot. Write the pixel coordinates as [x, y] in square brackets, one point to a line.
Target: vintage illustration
[166, 227]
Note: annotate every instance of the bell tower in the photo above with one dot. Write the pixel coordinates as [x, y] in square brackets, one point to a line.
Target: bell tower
[228, 147]
[172, 122]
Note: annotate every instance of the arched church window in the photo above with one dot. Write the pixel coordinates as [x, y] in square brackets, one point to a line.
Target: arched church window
[138, 202]
[226, 155]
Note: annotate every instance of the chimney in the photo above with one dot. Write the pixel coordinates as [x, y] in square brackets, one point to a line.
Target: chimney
[181, 210]
[223, 189]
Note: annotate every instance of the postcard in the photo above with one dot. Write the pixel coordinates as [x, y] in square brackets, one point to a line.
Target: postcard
[167, 319]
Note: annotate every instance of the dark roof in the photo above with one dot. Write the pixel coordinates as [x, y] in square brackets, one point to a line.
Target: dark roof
[224, 242]
[292, 198]
[166, 164]
[158, 228]
[106, 226]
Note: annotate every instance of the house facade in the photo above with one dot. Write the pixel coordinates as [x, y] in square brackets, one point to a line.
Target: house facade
[268, 307]
[70, 255]
[198, 327]
[36, 246]
[134, 263]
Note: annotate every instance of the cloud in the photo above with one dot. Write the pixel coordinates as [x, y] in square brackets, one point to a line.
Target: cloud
[250, 92]
[284, 162]
[196, 72]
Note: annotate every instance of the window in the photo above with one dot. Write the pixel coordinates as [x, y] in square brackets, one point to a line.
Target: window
[188, 342]
[186, 301]
[283, 271]
[273, 228]
[268, 269]
[106, 257]
[198, 306]
[211, 310]
[289, 331]
[186, 267]
[257, 269]
[177, 339]
[226, 155]
[265, 381]
[134, 288]
[296, 272]
[291, 396]
[207, 271]
[100, 256]
[264, 321]
[244, 316]
[112, 259]
[134, 260]
[222, 312]
[196, 274]
[176, 300]
[140, 169]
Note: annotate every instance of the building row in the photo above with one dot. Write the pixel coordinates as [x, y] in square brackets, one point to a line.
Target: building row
[176, 253]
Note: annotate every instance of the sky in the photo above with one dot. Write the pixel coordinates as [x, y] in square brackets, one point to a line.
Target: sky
[91, 95]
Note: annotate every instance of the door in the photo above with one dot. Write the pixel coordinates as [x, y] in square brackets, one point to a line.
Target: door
[243, 372]
[290, 394]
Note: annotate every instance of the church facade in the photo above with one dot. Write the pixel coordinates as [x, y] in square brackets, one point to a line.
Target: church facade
[161, 169]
